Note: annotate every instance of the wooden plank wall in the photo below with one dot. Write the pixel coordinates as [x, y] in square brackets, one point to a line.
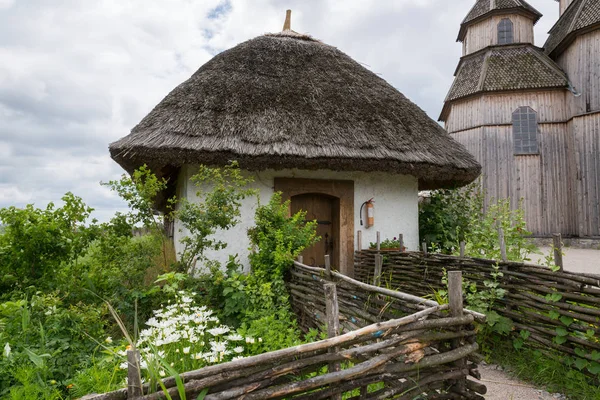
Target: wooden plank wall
[581, 62]
[587, 158]
[485, 33]
[542, 181]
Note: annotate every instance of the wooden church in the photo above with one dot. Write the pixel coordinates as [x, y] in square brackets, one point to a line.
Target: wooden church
[530, 115]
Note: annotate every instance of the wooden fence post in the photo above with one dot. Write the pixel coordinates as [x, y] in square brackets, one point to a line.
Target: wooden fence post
[378, 269]
[378, 241]
[558, 259]
[359, 240]
[134, 378]
[333, 325]
[327, 265]
[401, 241]
[301, 259]
[424, 247]
[502, 243]
[462, 248]
[455, 300]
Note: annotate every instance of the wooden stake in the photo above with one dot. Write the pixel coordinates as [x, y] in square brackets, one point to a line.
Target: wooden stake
[327, 265]
[455, 300]
[301, 259]
[378, 241]
[359, 240]
[287, 25]
[502, 243]
[558, 259]
[333, 325]
[424, 247]
[134, 381]
[462, 248]
[378, 268]
[401, 241]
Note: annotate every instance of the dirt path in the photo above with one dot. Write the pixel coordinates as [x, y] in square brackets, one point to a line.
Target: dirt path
[502, 386]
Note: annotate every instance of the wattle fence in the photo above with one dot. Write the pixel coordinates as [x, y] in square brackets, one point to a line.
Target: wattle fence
[382, 344]
[557, 310]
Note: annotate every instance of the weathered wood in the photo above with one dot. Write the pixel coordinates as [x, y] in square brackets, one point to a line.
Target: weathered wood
[359, 240]
[401, 241]
[558, 254]
[424, 247]
[134, 377]
[333, 325]
[462, 248]
[377, 271]
[378, 241]
[502, 243]
[327, 265]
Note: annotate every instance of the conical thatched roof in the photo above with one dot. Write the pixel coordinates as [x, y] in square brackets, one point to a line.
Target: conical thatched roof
[289, 101]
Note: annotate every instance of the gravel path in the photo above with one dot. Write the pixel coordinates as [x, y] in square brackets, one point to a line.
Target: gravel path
[501, 386]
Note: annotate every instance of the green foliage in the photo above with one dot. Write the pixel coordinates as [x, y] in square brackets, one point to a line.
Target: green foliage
[482, 239]
[445, 217]
[278, 238]
[219, 209]
[386, 244]
[548, 369]
[47, 337]
[36, 242]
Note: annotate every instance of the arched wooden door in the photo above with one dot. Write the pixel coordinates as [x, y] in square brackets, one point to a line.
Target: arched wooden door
[325, 210]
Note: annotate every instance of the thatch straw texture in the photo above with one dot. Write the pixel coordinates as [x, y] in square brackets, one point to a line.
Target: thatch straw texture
[289, 101]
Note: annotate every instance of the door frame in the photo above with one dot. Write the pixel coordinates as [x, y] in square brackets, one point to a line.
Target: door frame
[340, 189]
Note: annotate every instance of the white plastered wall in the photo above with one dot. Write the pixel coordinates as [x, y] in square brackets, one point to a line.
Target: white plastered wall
[396, 207]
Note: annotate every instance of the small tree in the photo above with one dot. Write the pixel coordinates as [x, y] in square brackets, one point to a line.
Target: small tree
[219, 209]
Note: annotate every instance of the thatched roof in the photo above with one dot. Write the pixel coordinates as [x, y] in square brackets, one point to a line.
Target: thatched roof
[580, 17]
[485, 8]
[289, 101]
[504, 68]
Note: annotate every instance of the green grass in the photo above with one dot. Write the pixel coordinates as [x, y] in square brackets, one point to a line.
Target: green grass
[544, 370]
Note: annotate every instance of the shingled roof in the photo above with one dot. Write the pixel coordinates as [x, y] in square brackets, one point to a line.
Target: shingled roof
[577, 18]
[484, 8]
[289, 101]
[501, 68]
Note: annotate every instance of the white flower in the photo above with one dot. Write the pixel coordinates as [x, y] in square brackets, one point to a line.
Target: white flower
[161, 373]
[186, 350]
[249, 339]
[7, 350]
[239, 349]
[108, 340]
[218, 331]
[235, 337]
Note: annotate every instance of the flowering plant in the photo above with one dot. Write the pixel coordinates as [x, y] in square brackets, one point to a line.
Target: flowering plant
[187, 337]
[388, 244]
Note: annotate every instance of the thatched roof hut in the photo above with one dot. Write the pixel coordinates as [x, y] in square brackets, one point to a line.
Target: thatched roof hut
[287, 100]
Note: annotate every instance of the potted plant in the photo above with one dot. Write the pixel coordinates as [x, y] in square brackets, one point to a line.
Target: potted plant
[388, 244]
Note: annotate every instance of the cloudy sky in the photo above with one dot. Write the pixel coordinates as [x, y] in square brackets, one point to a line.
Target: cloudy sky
[76, 75]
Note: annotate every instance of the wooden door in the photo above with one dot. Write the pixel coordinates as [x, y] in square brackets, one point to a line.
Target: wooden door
[324, 210]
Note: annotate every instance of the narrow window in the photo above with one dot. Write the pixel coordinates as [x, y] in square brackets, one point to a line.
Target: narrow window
[505, 31]
[525, 126]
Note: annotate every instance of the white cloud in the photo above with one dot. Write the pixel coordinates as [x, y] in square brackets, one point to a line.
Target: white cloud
[77, 75]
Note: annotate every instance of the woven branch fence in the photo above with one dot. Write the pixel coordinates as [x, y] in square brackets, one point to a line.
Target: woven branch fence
[559, 310]
[379, 347]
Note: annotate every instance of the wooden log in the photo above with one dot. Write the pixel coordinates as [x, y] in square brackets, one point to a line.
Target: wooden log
[378, 241]
[462, 248]
[558, 256]
[502, 243]
[359, 240]
[401, 241]
[327, 266]
[424, 247]
[333, 325]
[134, 377]
[377, 271]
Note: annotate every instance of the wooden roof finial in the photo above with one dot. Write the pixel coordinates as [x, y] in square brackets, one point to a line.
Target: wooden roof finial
[287, 25]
